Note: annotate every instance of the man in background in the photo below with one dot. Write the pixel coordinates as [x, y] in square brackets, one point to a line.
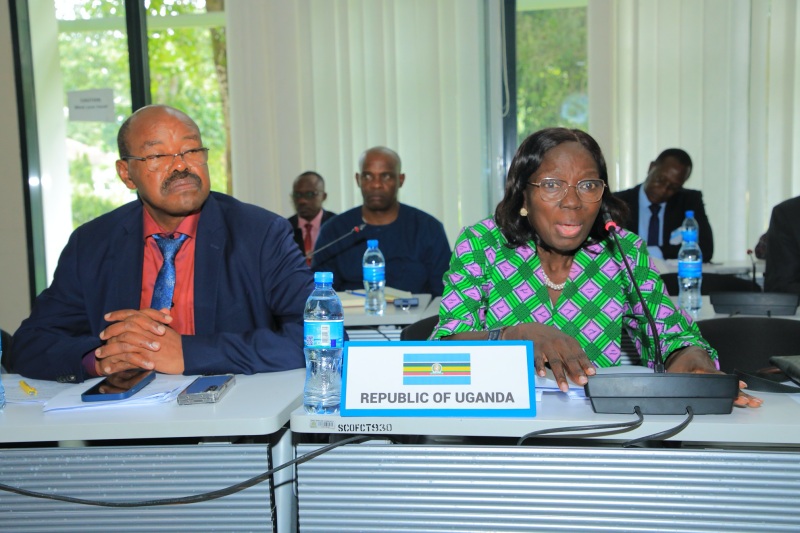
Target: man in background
[413, 243]
[308, 193]
[181, 280]
[658, 207]
[782, 270]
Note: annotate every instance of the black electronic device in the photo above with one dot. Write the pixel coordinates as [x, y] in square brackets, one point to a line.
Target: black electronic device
[755, 303]
[405, 303]
[119, 385]
[660, 393]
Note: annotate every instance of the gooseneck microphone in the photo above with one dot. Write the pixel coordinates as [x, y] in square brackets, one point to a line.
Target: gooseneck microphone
[660, 392]
[355, 229]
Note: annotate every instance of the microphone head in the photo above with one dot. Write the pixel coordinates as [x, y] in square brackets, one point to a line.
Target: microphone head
[749, 252]
[608, 222]
[360, 227]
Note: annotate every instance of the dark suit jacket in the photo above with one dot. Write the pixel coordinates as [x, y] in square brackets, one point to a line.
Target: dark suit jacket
[782, 271]
[298, 232]
[674, 214]
[250, 288]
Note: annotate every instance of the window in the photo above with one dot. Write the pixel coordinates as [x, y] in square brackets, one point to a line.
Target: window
[187, 69]
[551, 65]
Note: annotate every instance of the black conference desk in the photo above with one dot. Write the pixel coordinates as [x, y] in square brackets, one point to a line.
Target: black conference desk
[722, 473]
[159, 451]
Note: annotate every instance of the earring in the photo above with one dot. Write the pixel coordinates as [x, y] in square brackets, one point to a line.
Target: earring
[523, 212]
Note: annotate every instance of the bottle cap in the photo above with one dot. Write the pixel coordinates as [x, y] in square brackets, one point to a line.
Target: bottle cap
[690, 214]
[323, 277]
[372, 243]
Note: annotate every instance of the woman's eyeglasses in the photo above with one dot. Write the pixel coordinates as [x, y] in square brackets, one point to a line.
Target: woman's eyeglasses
[554, 190]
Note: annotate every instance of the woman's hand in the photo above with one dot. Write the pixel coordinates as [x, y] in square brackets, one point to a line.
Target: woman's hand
[694, 359]
[566, 357]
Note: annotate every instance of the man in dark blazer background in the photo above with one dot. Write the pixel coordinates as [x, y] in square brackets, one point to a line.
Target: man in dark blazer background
[663, 190]
[308, 194]
[782, 271]
[240, 283]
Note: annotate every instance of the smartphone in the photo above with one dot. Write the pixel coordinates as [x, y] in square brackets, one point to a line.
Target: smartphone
[206, 389]
[119, 385]
[405, 303]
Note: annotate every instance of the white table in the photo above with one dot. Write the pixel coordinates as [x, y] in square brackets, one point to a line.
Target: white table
[387, 327]
[394, 316]
[153, 465]
[723, 473]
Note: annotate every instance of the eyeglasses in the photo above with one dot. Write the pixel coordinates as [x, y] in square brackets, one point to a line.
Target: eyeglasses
[554, 190]
[159, 162]
[308, 195]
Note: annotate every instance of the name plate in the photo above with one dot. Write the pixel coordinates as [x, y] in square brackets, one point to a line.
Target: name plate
[438, 378]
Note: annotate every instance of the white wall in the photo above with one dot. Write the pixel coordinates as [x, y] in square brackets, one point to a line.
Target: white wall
[14, 298]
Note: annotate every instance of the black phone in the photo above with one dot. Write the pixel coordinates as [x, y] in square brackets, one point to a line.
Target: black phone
[119, 385]
[405, 303]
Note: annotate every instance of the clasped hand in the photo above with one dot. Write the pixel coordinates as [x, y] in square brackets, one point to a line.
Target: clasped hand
[139, 339]
[568, 361]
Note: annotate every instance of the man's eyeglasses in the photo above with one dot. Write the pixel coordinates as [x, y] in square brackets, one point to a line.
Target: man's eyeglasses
[554, 190]
[159, 162]
[308, 195]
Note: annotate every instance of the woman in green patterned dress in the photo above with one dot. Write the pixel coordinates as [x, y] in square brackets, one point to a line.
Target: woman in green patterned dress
[545, 269]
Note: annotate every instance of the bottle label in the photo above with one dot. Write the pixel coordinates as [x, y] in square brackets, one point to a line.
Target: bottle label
[690, 269]
[323, 333]
[373, 273]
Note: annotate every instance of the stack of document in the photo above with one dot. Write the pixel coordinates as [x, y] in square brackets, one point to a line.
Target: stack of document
[163, 389]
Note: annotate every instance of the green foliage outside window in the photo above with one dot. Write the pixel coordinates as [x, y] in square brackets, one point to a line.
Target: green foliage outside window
[552, 78]
[187, 71]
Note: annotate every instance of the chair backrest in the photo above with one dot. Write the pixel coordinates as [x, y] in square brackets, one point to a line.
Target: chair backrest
[713, 283]
[746, 343]
[419, 330]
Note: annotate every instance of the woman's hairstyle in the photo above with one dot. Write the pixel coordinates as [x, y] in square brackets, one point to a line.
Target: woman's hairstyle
[530, 154]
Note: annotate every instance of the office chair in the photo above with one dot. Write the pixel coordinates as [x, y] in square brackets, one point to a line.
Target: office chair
[419, 330]
[713, 283]
[5, 339]
[746, 343]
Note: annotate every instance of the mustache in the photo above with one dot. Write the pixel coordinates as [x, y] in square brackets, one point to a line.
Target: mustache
[184, 174]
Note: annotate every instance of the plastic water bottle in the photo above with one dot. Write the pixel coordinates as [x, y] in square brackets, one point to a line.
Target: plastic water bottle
[690, 273]
[374, 268]
[690, 224]
[323, 333]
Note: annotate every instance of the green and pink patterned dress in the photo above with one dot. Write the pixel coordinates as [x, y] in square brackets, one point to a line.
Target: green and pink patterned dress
[490, 285]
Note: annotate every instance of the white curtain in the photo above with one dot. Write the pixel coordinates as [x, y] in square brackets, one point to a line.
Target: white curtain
[316, 82]
[720, 79]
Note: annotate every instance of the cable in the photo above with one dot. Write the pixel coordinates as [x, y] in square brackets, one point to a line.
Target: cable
[622, 425]
[213, 495]
[664, 434]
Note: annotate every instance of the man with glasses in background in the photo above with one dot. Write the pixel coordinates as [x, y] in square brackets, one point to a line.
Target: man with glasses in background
[658, 207]
[181, 280]
[413, 242]
[308, 193]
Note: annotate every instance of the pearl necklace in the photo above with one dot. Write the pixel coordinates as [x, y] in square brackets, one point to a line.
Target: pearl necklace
[550, 284]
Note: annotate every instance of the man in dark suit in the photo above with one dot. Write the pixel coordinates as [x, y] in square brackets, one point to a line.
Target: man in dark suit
[782, 271]
[308, 193]
[228, 298]
[659, 205]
